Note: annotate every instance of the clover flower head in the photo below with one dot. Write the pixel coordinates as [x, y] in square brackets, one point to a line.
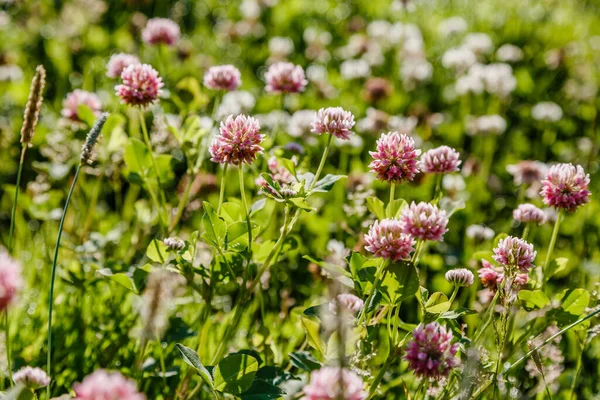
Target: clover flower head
[33, 378]
[529, 213]
[118, 62]
[396, 159]
[460, 277]
[238, 141]
[347, 302]
[430, 353]
[386, 239]
[285, 77]
[222, 77]
[141, 85]
[424, 221]
[329, 383]
[441, 160]
[78, 98]
[161, 31]
[566, 187]
[104, 385]
[333, 120]
[514, 252]
[10, 280]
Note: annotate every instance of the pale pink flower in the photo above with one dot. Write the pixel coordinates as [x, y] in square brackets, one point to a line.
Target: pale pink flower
[460, 277]
[333, 120]
[223, 77]
[10, 280]
[285, 77]
[347, 302]
[118, 62]
[104, 385]
[430, 353]
[161, 30]
[396, 158]
[566, 187]
[77, 98]
[424, 221]
[238, 141]
[329, 383]
[527, 172]
[441, 160]
[33, 378]
[529, 213]
[514, 252]
[141, 85]
[386, 239]
[489, 275]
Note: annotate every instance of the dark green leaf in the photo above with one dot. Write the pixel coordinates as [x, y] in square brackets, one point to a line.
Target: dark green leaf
[235, 373]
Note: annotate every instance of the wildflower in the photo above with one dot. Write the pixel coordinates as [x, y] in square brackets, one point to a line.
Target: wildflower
[452, 25]
[141, 85]
[386, 239]
[424, 221]
[335, 121]
[236, 102]
[376, 89]
[486, 125]
[489, 275]
[118, 62]
[161, 30]
[441, 160]
[284, 77]
[238, 141]
[546, 111]
[459, 59]
[430, 353]
[34, 104]
[174, 243]
[325, 385]
[77, 98]
[347, 302]
[515, 252]
[527, 172]
[10, 280]
[478, 43]
[460, 277]
[566, 187]
[91, 139]
[222, 77]
[280, 47]
[396, 158]
[104, 385]
[529, 213]
[509, 53]
[355, 69]
[33, 378]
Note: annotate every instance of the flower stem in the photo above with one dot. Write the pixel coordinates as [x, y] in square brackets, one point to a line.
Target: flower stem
[53, 275]
[245, 208]
[454, 293]
[379, 377]
[392, 192]
[161, 209]
[322, 163]
[222, 191]
[552, 240]
[526, 231]
[378, 279]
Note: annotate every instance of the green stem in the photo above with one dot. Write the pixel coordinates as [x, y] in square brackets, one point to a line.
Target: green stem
[162, 208]
[222, 189]
[379, 377]
[8, 347]
[378, 279]
[438, 188]
[53, 275]
[454, 293]
[553, 240]
[245, 208]
[526, 231]
[322, 163]
[392, 192]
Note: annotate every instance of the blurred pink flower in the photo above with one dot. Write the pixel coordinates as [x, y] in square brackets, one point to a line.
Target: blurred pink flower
[333, 120]
[395, 159]
[430, 353]
[527, 172]
[141, 85]
[514, 252]
[325, 385]
[566, 187]
[424, 221]
[77, 98]
[10, 280]
[222, 77]
[161, 30]
[348, 302]
[238, 141]
[118, 62]
[386, 239]
[33, 378]
[104, 385]
[285, 77]
[529, 213]
[441, 160]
